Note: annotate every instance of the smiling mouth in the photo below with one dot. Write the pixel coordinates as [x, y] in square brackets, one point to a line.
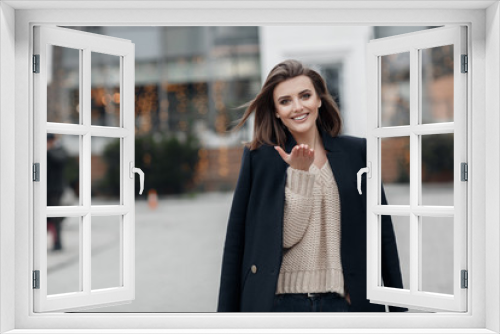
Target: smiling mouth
[301, 117]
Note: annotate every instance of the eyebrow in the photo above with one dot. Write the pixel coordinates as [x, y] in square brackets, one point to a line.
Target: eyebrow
[307, 90]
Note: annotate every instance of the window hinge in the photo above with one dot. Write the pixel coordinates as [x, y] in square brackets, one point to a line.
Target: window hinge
[465, 171]
[465, 64]
[36, 172]
[465, 279]
[36, 63]
[36, 279]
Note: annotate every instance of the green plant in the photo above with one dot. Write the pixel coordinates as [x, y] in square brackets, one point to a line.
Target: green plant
[169, 164]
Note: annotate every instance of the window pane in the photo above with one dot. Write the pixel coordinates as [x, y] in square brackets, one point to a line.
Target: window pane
[395, 89]
[63, 254]
[437, 169]
[437, 254]
[401, 226]
[105, 171]
[395, 169]
[63, 178]
[63, 84]
[105, 81]
[437, 84]
[106, 252]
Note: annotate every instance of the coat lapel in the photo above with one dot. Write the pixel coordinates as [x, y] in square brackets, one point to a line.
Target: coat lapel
[339, 162]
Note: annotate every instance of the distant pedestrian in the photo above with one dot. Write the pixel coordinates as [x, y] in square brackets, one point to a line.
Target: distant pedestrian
[296, 236]
[56, 160]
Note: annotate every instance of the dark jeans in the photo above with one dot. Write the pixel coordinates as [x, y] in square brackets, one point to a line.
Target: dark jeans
[315, 302]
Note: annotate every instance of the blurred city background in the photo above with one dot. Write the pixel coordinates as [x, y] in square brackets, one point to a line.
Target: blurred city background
[189, 84]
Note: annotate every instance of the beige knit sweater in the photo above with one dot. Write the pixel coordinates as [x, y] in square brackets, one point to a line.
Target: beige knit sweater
[311, 233]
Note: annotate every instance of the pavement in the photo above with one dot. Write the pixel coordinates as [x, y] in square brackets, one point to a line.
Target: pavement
[179, 251]
[178, 255]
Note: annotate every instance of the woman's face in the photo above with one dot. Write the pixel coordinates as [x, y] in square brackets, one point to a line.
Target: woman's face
[297, 104]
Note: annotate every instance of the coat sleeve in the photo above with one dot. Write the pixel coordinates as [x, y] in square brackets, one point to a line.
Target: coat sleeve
[230, 281]
[391, 270]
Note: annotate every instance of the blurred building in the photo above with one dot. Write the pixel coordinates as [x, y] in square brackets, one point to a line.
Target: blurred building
[188, 81]
[191, 80]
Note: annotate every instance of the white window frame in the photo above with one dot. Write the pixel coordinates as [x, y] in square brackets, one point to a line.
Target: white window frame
[412, 296]
[483, 123]
[86, 44]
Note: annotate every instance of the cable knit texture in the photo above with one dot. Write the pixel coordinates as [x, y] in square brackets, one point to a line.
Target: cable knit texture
[311, 233]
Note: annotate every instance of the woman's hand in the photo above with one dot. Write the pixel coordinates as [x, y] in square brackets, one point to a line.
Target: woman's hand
[301, 157]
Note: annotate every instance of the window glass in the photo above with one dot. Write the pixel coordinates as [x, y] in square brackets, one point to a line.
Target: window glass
[105, 170]
[105, 89]
[64, 252]
[437, 169]
[437, 84]
[395, 89]
[63, 84]
[437, 254]
[106, 251]
[63, 170]
[395, 169]
[401, 227]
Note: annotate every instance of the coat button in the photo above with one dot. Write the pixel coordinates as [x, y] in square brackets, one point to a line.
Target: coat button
[254, 268]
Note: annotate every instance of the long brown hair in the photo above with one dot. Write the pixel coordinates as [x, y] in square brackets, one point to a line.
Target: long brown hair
[270, 130]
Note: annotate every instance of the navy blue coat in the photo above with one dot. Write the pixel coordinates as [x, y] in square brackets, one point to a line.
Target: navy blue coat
[255, 229]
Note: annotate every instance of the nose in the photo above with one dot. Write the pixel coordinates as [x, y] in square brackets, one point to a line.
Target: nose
[297, 105]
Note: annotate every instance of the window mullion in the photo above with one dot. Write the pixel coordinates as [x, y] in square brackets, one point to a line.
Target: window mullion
[85, 108]
[415, 242]
[109, 210]
[434, 128]
[67, 211]
[108, 131]
[419, 129]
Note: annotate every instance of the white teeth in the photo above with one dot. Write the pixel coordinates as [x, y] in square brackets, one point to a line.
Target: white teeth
[300, 117]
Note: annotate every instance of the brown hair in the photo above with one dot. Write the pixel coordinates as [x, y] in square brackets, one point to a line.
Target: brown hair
[270, 130]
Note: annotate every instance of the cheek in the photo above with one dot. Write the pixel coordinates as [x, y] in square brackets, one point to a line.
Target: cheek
[314, 104]
[282, 110]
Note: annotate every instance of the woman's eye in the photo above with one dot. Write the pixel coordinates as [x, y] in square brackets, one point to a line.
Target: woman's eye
[306, 96]
[283, 102]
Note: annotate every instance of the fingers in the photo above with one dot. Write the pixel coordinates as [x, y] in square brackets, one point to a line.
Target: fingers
[301, 156]
[282, 153]
[302, 151]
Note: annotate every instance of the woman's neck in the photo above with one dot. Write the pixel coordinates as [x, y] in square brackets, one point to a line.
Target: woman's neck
[310, 138]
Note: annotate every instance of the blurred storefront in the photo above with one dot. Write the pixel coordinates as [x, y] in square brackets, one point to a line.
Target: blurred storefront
[190, 82]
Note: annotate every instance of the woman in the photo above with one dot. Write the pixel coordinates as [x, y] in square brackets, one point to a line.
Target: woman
[296, 236]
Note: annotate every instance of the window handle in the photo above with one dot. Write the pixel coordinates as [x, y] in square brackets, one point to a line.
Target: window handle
[368, 171]
[141, 175]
